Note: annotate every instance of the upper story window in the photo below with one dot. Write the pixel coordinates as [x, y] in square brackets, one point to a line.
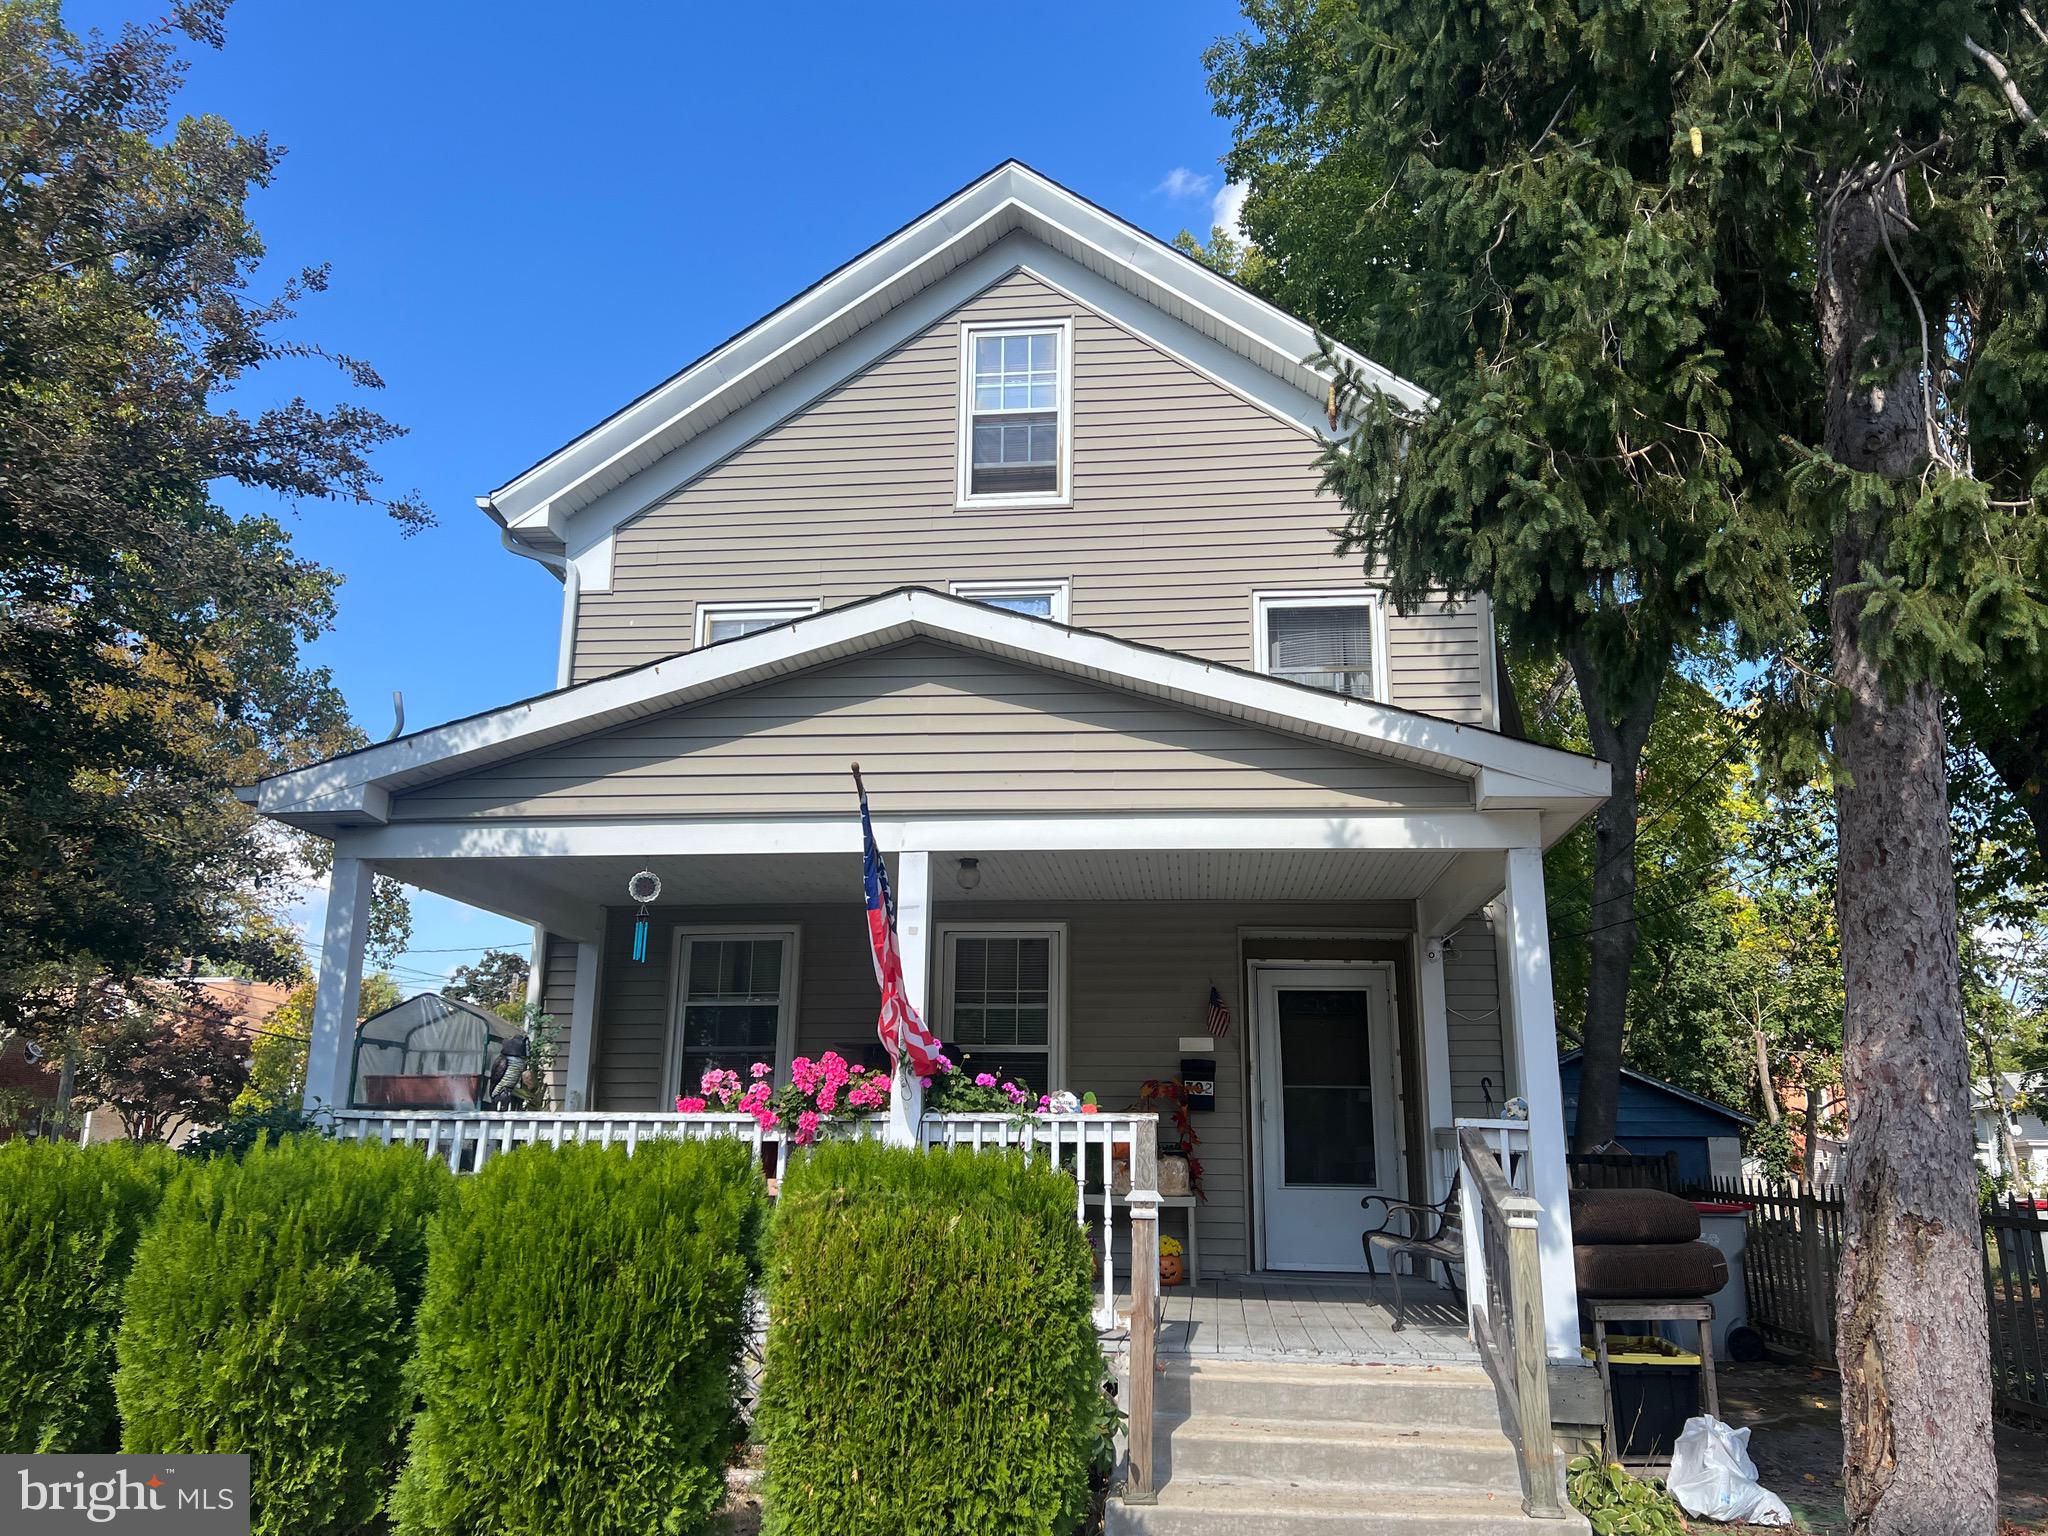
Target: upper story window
[1014, 409]
[1333, 640]
[728, 621]
[1041, 599]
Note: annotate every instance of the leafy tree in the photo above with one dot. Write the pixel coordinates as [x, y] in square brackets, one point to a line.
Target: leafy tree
[1734, 314]
[149, 640]
[497, 982]
[161, 1055]
[277, 1052]
[1678, 1025]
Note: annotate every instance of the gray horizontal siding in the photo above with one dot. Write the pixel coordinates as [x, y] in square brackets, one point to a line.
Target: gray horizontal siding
[942, 729]
[558, 1001]
[1138, 976]
[1186, 499]
[1472, 999]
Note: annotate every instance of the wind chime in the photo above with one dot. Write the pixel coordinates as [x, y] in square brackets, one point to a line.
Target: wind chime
[644, 888]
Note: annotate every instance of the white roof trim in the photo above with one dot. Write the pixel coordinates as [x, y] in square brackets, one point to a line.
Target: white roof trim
[1010, 198]
[355, 790]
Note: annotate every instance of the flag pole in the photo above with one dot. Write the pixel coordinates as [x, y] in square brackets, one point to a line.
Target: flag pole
[906, 1093]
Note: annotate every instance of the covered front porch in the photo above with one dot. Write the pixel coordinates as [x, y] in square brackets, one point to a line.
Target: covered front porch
[1374, 992]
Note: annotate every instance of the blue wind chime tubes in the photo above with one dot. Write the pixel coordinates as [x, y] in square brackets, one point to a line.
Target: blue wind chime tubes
[644, 888]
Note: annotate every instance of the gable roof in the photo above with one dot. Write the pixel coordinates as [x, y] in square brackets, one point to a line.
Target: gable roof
[535, 506]
[1672, 1090]
[355, 789]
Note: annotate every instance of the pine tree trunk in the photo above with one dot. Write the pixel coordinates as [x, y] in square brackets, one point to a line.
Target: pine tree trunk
[1911, 1336]
[1618, 741]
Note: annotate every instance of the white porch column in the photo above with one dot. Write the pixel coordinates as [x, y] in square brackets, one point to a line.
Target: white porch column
[330, 1054]
[913, 892]
[576, 1089]
[1436, 1054]
[1535, 1021]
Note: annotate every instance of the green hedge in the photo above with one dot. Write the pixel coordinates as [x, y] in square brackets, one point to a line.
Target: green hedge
[69, 1220]
[581, 1343]
[271, 1311]
[932, 1364]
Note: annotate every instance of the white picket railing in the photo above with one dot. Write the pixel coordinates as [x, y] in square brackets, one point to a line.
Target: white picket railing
[1112, 1158]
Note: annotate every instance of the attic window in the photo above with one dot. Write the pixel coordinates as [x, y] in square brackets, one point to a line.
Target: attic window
[729, 621]
[1014, 413]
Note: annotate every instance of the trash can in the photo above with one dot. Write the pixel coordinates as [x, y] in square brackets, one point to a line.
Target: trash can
[1725, 1224]
[1656, 1388]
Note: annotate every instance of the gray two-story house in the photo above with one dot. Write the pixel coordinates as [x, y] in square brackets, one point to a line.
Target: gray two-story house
[1019, 509]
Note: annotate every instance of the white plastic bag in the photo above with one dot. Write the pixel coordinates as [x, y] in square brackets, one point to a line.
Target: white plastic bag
[1713, 1477]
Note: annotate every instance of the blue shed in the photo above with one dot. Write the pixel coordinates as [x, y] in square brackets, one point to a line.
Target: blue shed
[1655, 1117]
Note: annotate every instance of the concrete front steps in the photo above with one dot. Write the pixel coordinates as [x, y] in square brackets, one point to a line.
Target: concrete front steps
[1259, 1448]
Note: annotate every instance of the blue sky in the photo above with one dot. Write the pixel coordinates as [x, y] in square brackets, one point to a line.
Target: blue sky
[535, 212]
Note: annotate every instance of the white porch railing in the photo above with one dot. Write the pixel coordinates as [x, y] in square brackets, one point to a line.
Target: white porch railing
[1089, 1148]
[1504, 1295]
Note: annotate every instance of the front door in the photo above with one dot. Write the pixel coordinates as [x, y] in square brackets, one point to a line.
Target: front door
[1326, 1110]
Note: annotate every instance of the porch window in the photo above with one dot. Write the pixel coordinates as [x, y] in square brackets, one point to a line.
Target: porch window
[1014, 410]
[733, 1005]
[1002, 994]
[1325, 640]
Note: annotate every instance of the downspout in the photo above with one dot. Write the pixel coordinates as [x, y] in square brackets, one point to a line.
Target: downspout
[572, 593]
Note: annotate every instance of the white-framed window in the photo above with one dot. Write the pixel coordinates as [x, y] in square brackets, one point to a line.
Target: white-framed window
[1042, 599]
[728, 621]
[733, 1004]
[1016, 403]
[1333, 640]
[1002, 1000]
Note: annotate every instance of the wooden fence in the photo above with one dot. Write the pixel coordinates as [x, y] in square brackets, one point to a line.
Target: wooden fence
[1622, 1170]
[1792, 1254]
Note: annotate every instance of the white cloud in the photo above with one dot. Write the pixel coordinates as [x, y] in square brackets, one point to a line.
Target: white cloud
[1182, 182]
[1227, 208]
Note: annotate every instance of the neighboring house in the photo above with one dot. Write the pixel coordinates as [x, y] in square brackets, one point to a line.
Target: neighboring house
[1020, 510]
[28, 1089]
[1654, 1117]
[2026, 1124]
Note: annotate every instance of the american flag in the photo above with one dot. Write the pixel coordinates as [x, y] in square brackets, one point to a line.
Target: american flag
[1219, 1016]
[902, 1031]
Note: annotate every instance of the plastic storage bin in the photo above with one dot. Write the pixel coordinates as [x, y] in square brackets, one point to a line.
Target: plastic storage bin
[1656, 1389]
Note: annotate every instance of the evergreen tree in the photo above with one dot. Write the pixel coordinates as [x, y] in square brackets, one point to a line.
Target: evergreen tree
[1734, 315]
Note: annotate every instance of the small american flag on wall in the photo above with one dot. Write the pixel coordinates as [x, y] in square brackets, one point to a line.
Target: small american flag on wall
[1219, 1016]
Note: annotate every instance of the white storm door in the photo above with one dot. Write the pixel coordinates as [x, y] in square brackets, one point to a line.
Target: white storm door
[1326, 1111]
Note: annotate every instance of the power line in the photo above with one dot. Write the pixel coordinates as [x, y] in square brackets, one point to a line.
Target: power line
[1622, 922]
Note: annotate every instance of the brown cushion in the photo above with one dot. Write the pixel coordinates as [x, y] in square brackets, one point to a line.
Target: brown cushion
[1646, 1271]
[1632, 1216]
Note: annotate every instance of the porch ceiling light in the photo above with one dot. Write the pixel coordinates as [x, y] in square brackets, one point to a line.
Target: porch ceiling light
[969, 874]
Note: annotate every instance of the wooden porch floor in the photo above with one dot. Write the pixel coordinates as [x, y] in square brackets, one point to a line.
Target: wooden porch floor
[1335, 1318]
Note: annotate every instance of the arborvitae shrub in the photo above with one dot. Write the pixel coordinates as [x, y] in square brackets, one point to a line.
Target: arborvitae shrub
[69, 1220]
[581, 1343]
[270, 1311]
[932, 1362]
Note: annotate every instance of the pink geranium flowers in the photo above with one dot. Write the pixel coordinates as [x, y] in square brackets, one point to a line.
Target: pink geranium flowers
[816, 1092]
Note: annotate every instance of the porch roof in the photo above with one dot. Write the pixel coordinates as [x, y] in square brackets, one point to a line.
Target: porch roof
[355, 789]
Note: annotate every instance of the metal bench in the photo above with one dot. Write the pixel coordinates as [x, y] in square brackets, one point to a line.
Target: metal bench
[1435, 1234]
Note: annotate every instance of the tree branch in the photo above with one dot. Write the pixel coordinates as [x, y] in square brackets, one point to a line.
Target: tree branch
[1995, 67]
